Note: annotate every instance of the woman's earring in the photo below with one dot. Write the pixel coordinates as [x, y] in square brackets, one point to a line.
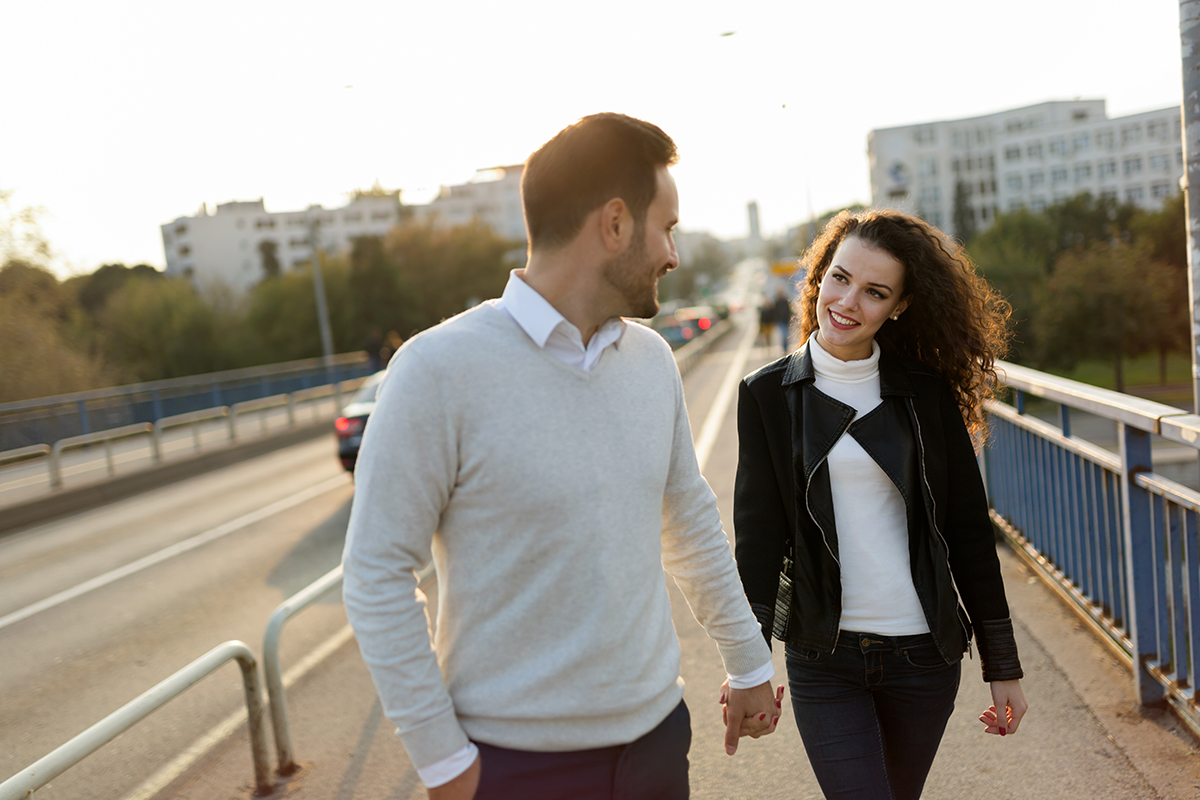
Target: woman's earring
[895, 316]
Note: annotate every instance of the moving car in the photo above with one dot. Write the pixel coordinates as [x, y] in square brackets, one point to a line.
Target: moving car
[348, 428]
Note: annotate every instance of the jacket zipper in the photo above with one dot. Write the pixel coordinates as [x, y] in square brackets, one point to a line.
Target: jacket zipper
[933, 521]
[824, 538]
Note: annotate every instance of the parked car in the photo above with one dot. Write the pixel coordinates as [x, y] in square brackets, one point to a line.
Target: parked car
[683, 325]
[348, 428]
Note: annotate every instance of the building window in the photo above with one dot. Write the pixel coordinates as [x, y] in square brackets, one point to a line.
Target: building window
[1081, 142]
[1083, 172]
[1132, 165]
[1131, 134]
[1108, 194]
[1059, 175]
[1015, 205]
[1160, 191]
[924, 135]
[927, 168]
[930, 196]
[1058, 147]
[1106, 169]
[1037, 204]
[352, 217]
[1134, 194]
[1036, 179]
[180, 229]
[184, 250]
[1104, 139]
[1012, 153]
[1013, 182]
[1160, 162]
[264, 223]
[380, 215]
[1034, 150]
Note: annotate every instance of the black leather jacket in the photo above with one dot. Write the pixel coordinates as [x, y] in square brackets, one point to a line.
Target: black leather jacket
[786, 428]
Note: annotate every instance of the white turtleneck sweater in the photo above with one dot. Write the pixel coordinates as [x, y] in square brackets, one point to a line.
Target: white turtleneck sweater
[872, 527]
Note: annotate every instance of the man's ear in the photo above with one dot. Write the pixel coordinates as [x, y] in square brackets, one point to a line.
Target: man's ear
[616, 225]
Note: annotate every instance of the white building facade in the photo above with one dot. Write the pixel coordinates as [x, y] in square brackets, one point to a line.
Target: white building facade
[493, 197]
[1030, 157]
[228, 248]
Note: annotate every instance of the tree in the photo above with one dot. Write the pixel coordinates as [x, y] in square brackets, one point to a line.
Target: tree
[381, 302]
[1107, 301]
[446, 270]
[963, 214]
[94, 289]
[163, 329]
[21, 237]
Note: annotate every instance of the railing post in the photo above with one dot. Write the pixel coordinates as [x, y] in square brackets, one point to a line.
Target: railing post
[1139, 560]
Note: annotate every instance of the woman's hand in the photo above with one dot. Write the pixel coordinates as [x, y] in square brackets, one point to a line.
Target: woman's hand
[1008, 697]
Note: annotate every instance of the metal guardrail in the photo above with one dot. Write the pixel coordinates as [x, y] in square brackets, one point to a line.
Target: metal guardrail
[47, 419]
[36, 775]
[54, 451]
[1117, 541]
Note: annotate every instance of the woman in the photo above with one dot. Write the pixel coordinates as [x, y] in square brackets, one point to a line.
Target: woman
[857, 480]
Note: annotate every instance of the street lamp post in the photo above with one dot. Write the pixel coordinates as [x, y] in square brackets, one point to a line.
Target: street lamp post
[314, 225]
[1189, 31]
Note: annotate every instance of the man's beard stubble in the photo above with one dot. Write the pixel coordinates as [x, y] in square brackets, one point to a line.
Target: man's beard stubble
[629, 274]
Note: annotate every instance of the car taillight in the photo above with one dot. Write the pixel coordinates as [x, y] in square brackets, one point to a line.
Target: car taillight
[705, 323]
[347, 427]
[687, 333]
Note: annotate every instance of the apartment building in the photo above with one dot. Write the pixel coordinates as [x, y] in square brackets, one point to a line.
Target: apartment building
[1029, 157]
[232, 246]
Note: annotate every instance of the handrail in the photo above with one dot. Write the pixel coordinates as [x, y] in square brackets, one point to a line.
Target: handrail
[274, 670]
[154, 430]
[24, 453]
[107, 437]
[50, 766]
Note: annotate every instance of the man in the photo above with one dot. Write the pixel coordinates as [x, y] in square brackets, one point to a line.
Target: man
[538, 448]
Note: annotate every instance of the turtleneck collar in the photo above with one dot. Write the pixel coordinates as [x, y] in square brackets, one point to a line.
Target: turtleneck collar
[833, 368]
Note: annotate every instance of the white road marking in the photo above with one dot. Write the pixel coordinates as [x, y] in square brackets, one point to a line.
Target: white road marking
[716, 414]
[176, 549]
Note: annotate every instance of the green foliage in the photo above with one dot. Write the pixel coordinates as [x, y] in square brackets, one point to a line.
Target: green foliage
[162, 329]
[281, 324]
[446, 270]
[1106, 301]
[1019, 252]
[94, 289]
[268, 253]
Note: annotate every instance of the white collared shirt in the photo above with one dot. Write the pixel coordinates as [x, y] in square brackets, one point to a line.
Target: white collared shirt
[551, 331]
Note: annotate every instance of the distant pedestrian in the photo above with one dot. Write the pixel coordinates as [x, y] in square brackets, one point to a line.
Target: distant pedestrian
[537, 448]
[372, 347]
[862, 527]
[766, 322]
[781, 313]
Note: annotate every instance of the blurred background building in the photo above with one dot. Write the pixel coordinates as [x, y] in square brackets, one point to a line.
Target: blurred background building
[1029, 157]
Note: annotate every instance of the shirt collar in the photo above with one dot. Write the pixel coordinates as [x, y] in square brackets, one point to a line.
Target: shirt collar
[534, 314]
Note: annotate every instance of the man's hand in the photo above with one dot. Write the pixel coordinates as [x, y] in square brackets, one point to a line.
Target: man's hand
[750, 712]
[461, 788]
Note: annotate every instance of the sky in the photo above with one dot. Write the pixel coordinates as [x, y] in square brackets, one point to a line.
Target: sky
[118, 117]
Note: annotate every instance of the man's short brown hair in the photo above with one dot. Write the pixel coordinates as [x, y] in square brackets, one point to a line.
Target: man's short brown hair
[585, 165]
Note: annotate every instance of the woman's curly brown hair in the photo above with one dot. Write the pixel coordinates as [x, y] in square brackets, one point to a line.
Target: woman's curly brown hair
[955, 322]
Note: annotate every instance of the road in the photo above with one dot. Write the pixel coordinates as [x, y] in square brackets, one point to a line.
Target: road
[68, 665]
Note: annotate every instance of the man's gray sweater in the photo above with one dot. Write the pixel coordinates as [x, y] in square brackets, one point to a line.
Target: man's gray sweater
[550, 499]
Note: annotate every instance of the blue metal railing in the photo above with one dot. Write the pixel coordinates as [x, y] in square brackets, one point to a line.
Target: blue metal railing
[50, 419]
[1117, 540]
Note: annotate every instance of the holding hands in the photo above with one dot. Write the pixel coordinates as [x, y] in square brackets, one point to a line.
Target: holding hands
[750, 712]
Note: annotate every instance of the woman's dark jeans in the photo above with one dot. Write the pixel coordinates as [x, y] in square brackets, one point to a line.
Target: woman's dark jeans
[872, 713]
